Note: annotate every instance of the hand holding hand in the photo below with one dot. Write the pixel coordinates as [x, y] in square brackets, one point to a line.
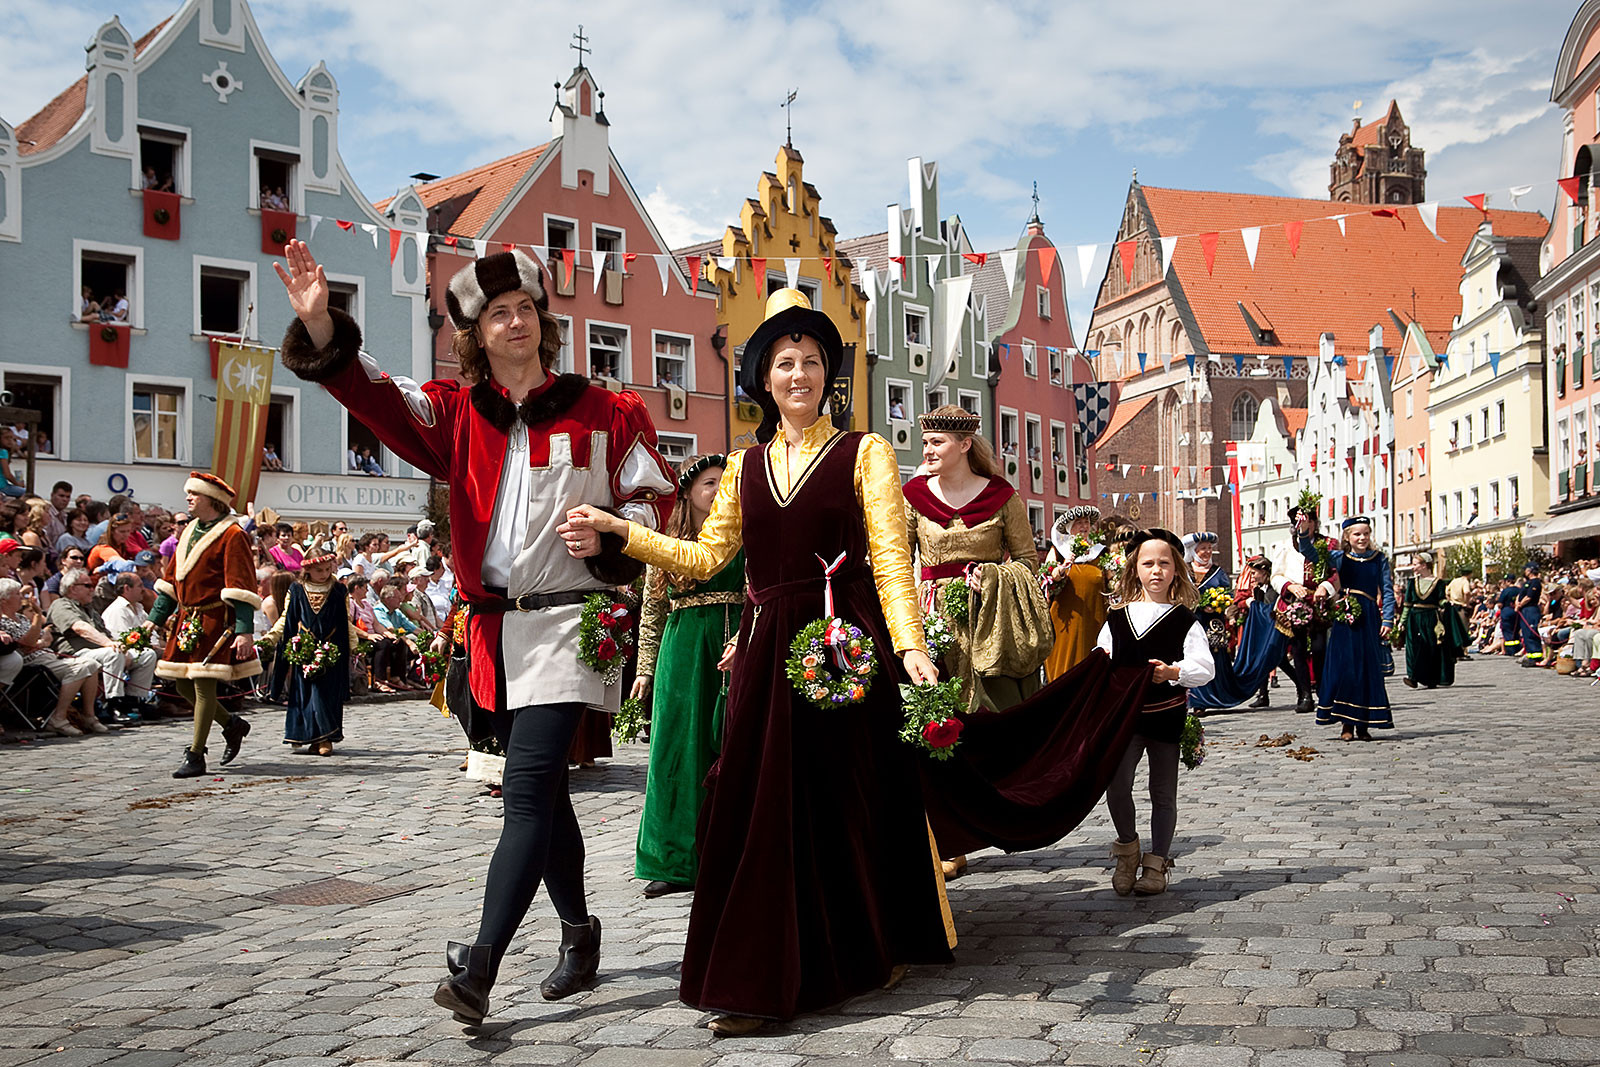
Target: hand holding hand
[585, 523]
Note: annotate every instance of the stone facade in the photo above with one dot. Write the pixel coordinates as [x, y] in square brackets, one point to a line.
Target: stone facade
[1377, 164]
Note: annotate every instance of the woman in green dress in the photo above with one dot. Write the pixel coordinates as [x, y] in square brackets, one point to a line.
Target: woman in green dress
[685, 634]
[1431, 628]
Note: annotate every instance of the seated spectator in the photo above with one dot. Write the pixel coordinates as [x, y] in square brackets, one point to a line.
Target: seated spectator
[100, 517]
[56, 522]
[10, 556]
[73, 559]
[119, 307]
[352, 460]
[31, 525]
[149, 180]
[403, 632]
[147, 565]
[437, 594]
[114, 544]
[284, 552]
[88, 306]
[369, 464]
[81, 635]
[32, 570]
[269, 458]
[23, 622]
[8, 481]
[425, 611]
[169, 545]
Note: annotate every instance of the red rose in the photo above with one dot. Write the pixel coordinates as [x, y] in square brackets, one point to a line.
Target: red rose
[607, 648]
[606, 620]
[617, 609]
[942, 734]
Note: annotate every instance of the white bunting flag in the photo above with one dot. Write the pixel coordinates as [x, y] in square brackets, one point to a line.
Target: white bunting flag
[315, 220]
[1517, 193]
[1126, 467]
[597, 261]
[1086, 255]
[933, 267]
[1008, 264]
[661, 265]
[1340, 220]
[725, 263]
[1168, 246]
[1251, 235]
[1416, 364]
[791, 270]
[1430, 218]
[1166, 361]
[1116, 498]
[480, 247]
[372, 231]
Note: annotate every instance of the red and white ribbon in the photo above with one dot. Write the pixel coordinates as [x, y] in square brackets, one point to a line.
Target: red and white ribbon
[834, 635]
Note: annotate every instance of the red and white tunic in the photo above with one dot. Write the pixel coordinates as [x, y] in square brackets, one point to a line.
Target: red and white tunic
[513, 472]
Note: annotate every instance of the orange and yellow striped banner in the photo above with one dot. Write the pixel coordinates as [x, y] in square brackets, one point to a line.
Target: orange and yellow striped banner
[244, 393]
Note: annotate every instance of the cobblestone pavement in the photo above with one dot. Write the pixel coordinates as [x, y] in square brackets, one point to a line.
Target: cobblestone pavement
[1422, 901]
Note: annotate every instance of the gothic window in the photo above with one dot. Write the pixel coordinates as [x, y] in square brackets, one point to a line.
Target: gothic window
[1242, 423]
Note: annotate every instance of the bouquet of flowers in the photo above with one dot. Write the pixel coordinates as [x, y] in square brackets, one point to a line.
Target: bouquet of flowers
[940, 635]
[1192, 742]
[1345, 609]
[605, 636]
[853, 659]
[1216, 601]
[135, 639]
[190, 631]
[957, 601]
[629, 721]
[931, 721]
[311, 655]
[1292, 615]
[1113, 562]
[435, 665]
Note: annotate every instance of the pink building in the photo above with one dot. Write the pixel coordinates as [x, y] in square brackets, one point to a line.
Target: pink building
[569, 204]
[1033, 366]
[1569, 289]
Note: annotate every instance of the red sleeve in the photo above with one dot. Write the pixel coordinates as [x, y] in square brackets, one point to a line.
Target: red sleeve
[643, 485]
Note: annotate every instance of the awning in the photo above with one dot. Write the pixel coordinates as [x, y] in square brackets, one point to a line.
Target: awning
[1568, 526]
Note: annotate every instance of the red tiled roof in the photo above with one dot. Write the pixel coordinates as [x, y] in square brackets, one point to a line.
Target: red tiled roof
[56, 119]
[1294, 420]
[485, 189]
[1126, 410]
[1345, 284]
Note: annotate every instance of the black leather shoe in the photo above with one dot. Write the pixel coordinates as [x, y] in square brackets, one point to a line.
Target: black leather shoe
[1305, 705]
[580, 960]
[466, 991]
[1262, 700]
[233, 735]
[659, 888]
[194, 764]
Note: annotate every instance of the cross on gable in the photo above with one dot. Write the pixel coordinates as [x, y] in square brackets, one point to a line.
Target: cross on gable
[794, 244]
[582, 47]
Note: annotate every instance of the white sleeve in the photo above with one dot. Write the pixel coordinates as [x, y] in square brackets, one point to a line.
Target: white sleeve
[1197, 667]
[1103, 642]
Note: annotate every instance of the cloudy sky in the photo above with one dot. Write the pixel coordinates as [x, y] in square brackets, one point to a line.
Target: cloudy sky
[1246, 95]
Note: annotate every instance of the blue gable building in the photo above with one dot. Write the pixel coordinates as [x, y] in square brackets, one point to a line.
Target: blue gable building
[150, 193]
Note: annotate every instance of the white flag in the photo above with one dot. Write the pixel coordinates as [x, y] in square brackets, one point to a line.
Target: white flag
[315, 219]
[372, 231]
[1166, 361]
[1168, 246]
[1340, 220]
[1126, 467]
[1086, 255]
[597, 261]
[791, 269]
[1517, 193]
[1430, 217]
[480, 247]
[1008, 264]
[1251, 235]
[725, 263]
[1116, 498]
[933, 267]
[661, 265]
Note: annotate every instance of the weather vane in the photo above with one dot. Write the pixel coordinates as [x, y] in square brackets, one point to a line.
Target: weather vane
[788, 124]
[582, 47]
[1036, 200]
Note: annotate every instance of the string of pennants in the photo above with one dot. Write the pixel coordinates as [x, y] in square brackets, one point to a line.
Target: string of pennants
[1087, 254]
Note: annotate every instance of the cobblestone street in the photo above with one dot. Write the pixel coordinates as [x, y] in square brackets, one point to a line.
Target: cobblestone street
[1423, 901]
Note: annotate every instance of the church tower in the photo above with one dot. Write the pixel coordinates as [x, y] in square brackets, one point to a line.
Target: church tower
[1376, 163]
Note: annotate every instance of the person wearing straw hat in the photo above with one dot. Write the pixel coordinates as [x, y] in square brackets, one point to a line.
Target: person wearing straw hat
[208, 594]
[318, 613]
[517, 445]
[1076, 582]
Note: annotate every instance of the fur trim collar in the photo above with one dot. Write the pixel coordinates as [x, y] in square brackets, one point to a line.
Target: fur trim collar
[498, 410]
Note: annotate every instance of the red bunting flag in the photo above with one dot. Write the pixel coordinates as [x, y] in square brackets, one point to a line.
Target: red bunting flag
[452, 240]
[1174, 472]
[1144, 468]
[1208, 245]
[569, 263]
[1420, 453]
[827, 266]
[343, 225]
[902, 261]
[1569, 186]
[1125, 249]
[1291, 231]
[1047, 262]
[394, 244]
[1478, 200]
[628, 258]
[507, 246]
[1389, 213]
[1279, 468]
[694, 271]
[980, 258]
[759, 265]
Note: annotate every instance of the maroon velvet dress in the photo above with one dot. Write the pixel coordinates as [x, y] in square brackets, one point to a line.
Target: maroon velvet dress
[815, 873]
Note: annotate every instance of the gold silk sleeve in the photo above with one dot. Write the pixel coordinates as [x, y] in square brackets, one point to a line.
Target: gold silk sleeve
[884, 507]
[1018, 533]
[720, 538]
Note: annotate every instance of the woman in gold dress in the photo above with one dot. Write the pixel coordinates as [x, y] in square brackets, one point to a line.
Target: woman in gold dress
[1077, 584]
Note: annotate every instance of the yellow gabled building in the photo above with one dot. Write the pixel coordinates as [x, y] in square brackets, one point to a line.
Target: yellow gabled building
[784, 225]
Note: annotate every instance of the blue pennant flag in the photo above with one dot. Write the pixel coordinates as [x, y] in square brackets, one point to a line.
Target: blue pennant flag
[1141, 362]
[1444, 359]
[1190, 358]
[1338, 361]
[1288, 366]
[1388, 366]
[1238, 363]
[1093, 353]
[1005, 352]
[1494, 363]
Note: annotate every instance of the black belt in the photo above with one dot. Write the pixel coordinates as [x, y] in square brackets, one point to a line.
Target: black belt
[533, 601]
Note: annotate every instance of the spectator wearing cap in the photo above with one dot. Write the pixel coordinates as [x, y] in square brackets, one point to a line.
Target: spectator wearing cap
[147, 565]
[81, 634]
[10, 552]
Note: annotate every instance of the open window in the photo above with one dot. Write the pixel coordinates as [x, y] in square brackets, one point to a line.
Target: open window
[280, 435]
[345, 297]
[42, 393]
[970, 402]
[672, 361]
[364, 453]
[1008, 432]
[564, 364]
[108, 284]
[937, 398]
[610, 242]
[607, 349]
[899, 401]
[161, 161]
[1042, 299]
[224, 300]
[916, 328]
[273, 185]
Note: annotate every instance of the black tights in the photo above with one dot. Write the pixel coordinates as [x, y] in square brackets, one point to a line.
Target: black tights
[539, 839]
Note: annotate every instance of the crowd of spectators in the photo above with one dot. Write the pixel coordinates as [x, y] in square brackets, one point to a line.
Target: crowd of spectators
[1567, 596]
[77, 575]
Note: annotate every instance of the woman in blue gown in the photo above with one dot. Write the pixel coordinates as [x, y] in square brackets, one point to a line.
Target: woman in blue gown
[1351, 690]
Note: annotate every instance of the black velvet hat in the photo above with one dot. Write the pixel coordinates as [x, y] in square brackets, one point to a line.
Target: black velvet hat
[789, 315]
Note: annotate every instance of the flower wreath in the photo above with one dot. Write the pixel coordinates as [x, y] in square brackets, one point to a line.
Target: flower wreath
[1345, 609]
[605, 636]
[957, 598]
[1292, 615]
[831, 640]
[931, 716]
[190, 632]
[1216, 601]
[311, 655]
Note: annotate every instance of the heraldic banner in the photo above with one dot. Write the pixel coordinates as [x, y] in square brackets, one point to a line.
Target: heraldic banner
[244, 393]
